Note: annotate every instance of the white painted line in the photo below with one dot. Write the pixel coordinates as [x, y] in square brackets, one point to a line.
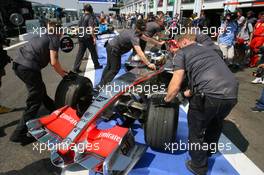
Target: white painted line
[185, 108]
[15, 45]
[242, 164]
[89, 70]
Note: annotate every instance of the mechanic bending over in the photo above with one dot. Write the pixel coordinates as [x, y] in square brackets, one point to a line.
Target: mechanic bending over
[212, 94]
[31, 58]
[152, 28]
[120, 45]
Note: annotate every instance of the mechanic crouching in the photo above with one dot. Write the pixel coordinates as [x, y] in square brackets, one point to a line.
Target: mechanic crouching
[212, 94]
[31, 58]
[120, 45]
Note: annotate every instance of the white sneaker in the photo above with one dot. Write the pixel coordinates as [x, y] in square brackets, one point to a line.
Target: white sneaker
[257, 81]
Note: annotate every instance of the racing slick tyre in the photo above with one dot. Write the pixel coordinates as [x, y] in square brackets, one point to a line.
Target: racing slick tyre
[161, 124]
[76, 91]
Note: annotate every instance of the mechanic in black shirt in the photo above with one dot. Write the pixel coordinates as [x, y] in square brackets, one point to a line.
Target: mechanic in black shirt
[120, 45]
[213, 93]
[87, 38]
[152, 28]
[30, 60]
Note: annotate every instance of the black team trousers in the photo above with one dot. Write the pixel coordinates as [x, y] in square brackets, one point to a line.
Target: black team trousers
[37, 95]
[112, 67]
[85, 43]
[205, 123]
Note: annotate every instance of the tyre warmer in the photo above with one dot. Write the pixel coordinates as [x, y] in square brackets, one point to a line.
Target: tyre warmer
[78, 140]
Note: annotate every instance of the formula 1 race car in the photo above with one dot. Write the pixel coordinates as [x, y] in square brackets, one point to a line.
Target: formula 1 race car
[73, 134]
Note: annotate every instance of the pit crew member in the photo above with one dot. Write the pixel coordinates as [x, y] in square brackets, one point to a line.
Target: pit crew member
[212, 91]
[120, 45]
[87, 40]
[152, 28]
[30, 60]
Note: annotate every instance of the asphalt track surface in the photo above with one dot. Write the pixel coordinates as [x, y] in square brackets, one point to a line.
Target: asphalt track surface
[242, 127]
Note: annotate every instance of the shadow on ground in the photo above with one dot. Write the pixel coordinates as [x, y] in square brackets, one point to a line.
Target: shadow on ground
[233, 133]
[41, 167]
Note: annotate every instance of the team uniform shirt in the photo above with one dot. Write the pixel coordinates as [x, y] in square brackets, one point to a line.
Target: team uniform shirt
[152, 28]
[125, 41]
[35, 54]
[206, 71]
[86, 21]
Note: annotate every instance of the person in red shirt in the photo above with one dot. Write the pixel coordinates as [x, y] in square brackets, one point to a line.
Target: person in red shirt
[257, 40]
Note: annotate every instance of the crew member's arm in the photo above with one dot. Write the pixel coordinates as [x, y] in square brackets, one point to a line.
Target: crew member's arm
[175, 85]
[143, 57]
[151, 40]
[54, 61]
[161, 35]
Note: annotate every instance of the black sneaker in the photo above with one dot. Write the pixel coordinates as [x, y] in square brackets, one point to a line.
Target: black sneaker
[256, 109]
[195, 169]
[18, 135]
[98, 67]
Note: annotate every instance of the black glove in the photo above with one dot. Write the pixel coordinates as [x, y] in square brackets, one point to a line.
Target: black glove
[158, 101]
[70, 76]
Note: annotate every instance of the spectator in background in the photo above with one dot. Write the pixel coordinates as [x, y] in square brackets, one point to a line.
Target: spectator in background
[123, 21]
[257, 40]
[242, 41]
[240, 17]
[111, 19]
[102, 15]
[251, 18]
[226, 39]
[260, 103]
[43, 20]
[103, 28]
[133, 19]
[160, 14]
[59, 14]
[194, 19]
[151, 17]
[167, 17]
[203, 21]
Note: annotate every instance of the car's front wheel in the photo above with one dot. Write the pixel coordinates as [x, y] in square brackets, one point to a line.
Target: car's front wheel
[75, 91]
[161, 124]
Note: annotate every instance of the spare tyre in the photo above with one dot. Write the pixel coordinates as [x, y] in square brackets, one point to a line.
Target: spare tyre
[161, 124]
[76, 91]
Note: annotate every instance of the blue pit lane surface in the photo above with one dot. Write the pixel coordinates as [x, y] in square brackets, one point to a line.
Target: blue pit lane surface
[154, 162]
